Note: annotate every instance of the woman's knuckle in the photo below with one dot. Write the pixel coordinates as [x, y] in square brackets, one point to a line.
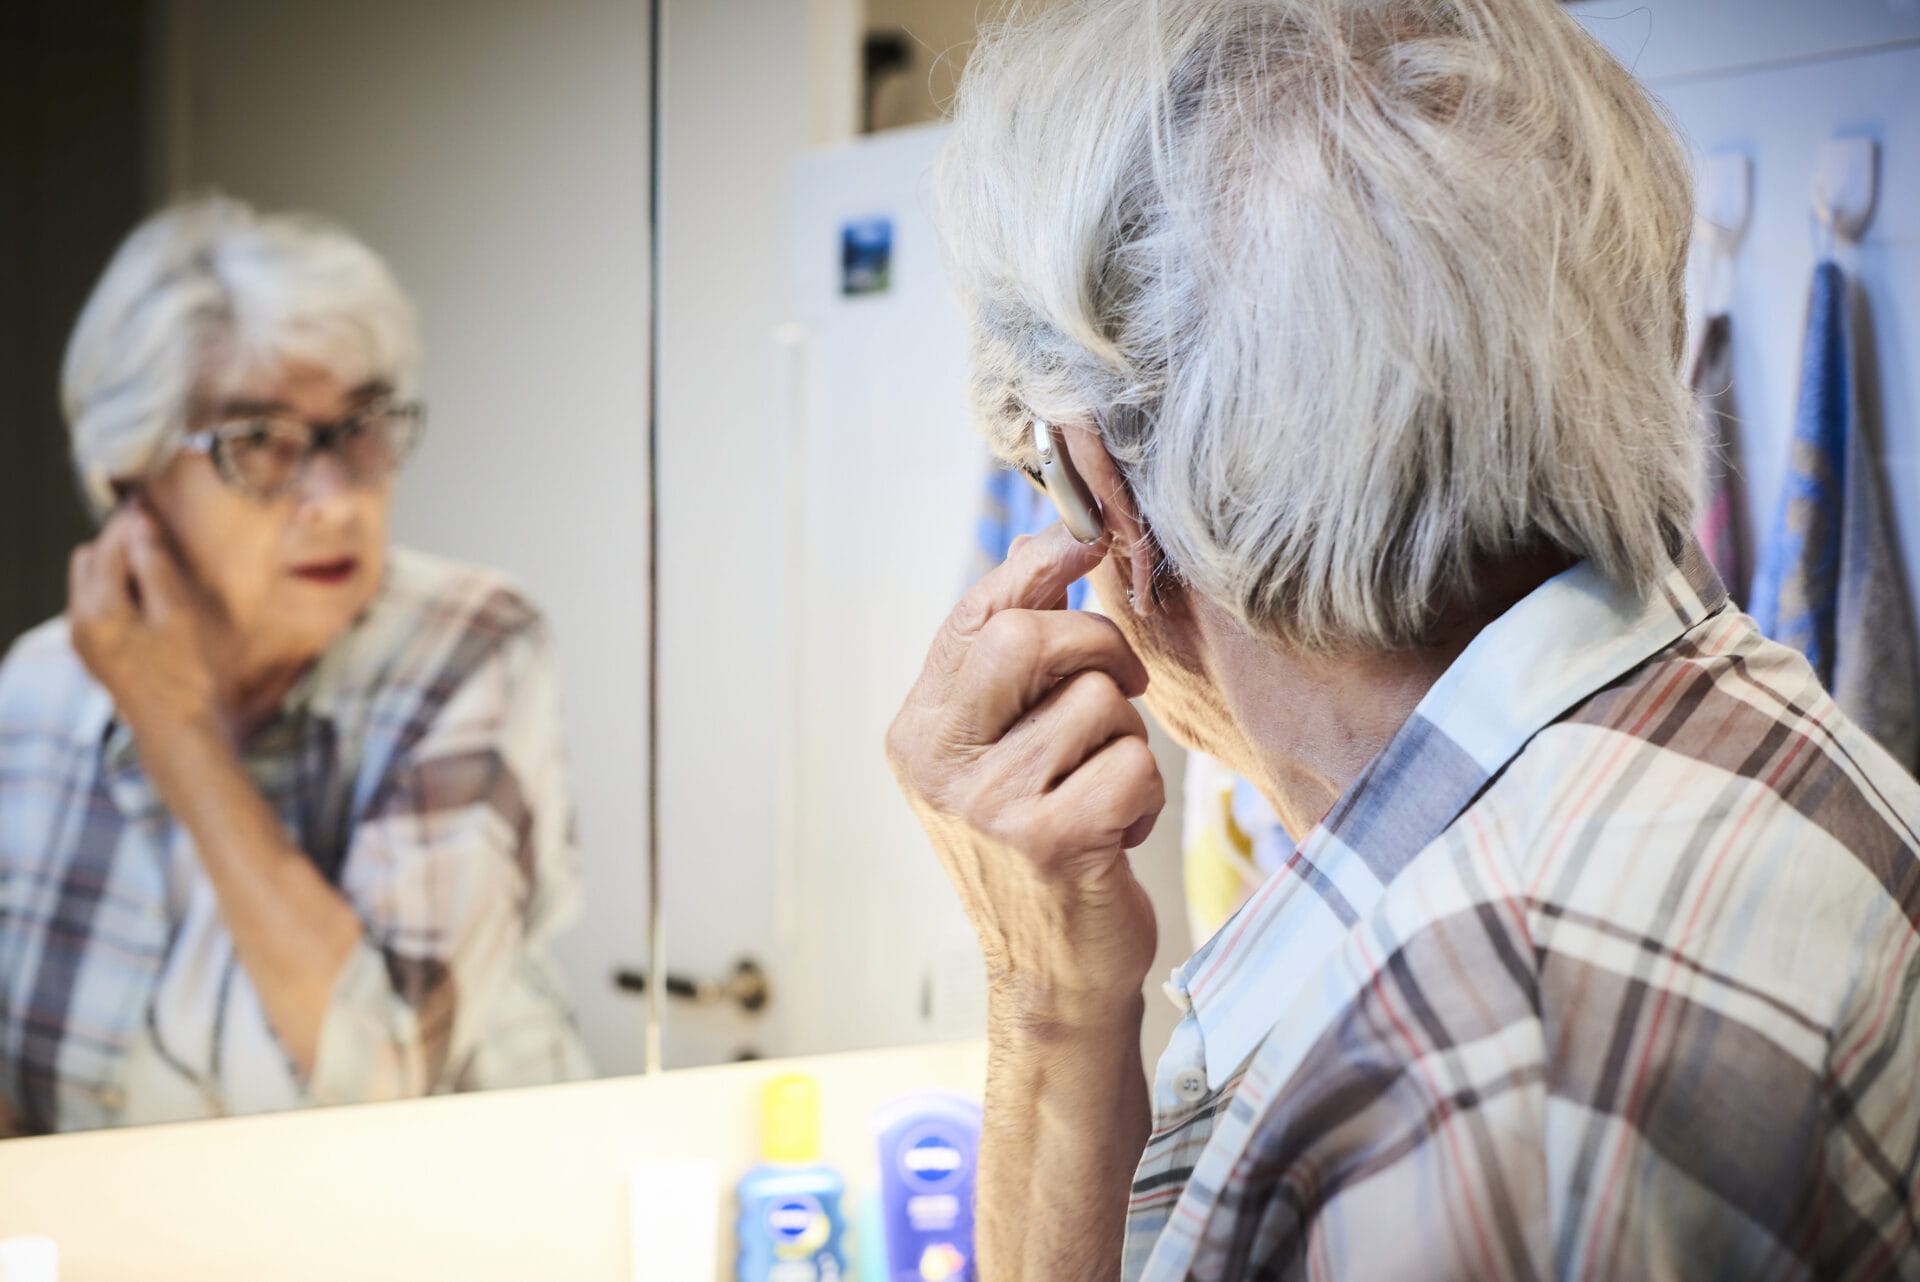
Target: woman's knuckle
[1009, 634]
[1134, 760]
[1152, 790]
[968, 617]
[1040, 836]
[898, 742]
[978, 803]
[1092, 692]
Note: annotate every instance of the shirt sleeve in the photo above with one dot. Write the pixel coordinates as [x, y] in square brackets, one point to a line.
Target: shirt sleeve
[1871, 1228]
[462, 871]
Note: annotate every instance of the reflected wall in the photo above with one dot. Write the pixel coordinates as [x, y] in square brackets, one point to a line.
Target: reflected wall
[496, 154]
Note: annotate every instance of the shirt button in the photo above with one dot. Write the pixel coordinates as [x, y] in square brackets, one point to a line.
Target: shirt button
[1190, 1084]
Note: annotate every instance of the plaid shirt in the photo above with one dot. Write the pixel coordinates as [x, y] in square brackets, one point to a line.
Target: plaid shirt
[1607, 967]
[418, 766]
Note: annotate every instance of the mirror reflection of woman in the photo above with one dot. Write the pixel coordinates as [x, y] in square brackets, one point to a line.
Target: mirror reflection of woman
[283, 817]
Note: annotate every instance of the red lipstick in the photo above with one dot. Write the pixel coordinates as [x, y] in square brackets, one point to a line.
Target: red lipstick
[328, 573]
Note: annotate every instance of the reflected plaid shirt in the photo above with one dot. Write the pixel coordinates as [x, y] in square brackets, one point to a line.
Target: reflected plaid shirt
[1607, 967]
[418, 766]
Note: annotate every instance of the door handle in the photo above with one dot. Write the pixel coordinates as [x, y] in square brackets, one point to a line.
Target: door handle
[747, 987]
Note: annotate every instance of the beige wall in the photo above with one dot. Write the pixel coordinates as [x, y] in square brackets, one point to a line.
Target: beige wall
[942, 35]
[513, 1186]
[942, 32]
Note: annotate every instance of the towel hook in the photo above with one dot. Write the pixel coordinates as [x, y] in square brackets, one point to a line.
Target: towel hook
[1725, 206]
[1844, 188]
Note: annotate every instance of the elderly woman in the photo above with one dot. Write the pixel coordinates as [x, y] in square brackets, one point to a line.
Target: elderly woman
[1598, 954]
[283, 819]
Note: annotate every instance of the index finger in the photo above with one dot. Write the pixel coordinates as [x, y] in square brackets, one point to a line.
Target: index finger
[1035, 576]
[98, 577]
[156, 566]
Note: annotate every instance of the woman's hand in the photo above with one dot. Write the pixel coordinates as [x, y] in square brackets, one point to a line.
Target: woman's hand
[147, 634]
[141, 627]
[1030, 770]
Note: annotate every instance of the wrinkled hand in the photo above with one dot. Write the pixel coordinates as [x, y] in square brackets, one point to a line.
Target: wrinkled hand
[1030, 770]
[140, 626]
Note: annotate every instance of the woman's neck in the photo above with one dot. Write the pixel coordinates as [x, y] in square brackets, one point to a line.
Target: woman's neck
[1308, 725]
[255, 689]
[1311, 725]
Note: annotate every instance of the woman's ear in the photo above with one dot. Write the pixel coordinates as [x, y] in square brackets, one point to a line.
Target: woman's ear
[1131, 545]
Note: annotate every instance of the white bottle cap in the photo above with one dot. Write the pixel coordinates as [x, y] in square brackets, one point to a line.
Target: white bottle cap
[29, 1259]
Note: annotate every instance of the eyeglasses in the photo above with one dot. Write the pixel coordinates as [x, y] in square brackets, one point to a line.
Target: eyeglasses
[266, 455]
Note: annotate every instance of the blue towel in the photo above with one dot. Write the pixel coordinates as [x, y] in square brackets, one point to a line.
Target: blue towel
[1830, 582]
[1010, 507]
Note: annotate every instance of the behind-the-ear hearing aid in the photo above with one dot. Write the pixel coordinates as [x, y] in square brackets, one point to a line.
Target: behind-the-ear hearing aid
[1071, 497]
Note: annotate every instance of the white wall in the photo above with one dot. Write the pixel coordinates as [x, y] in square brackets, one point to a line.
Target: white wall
[1774, 80]
[496, 153]
[735, 112]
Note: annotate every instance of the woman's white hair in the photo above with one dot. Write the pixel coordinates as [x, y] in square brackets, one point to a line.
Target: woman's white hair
[201, 291]
[1362, 295]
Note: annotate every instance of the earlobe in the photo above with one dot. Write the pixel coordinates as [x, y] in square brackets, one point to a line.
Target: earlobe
[1132, 545]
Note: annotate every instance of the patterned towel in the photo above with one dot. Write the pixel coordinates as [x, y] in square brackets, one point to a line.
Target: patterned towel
[1830, 582]
[1722, 526]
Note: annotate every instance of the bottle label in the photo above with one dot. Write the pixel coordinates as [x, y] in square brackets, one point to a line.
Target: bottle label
[942, 1262]
[931, 1160]
[798, 1226]
[933, 1213]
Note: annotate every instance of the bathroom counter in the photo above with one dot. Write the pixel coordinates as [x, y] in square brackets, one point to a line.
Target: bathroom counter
[506, 1186]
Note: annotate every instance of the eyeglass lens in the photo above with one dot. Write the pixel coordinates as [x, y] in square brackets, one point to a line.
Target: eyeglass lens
[269, 455]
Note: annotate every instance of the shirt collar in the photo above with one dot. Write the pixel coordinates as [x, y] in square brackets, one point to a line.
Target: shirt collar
[1568, 638]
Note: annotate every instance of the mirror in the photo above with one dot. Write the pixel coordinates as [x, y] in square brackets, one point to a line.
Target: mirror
[800, 372]
[496, 158]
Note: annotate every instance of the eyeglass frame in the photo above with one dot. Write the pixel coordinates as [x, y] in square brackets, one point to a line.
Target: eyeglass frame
[322, 435]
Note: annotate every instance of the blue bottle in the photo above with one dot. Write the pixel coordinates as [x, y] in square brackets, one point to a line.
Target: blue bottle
[792, 1227]
[929, 1152]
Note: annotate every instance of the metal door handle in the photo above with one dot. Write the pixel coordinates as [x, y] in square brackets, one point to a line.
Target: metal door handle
[747, 987]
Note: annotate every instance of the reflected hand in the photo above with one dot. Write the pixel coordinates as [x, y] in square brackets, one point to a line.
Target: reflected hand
[141, 627]
[1030, 770]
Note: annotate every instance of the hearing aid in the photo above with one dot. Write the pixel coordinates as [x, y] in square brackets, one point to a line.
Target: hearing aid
[1078, 509]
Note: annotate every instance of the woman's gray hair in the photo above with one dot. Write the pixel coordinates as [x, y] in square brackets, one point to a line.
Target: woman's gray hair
[1361, 296]
[205, 289]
